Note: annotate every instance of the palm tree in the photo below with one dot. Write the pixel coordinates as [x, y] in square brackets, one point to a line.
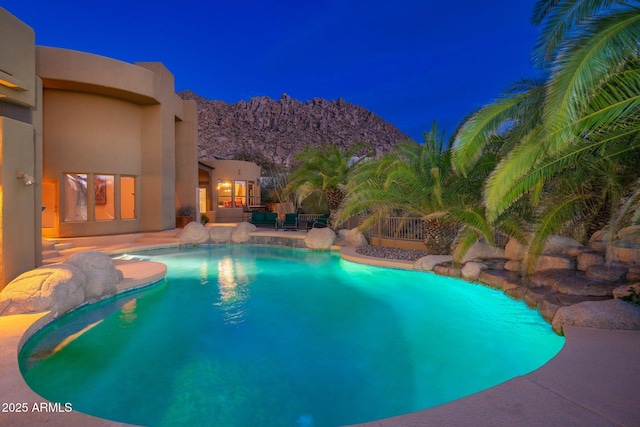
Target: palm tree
[573, 139]
[325, 170]
[587, 104]
[416, 180]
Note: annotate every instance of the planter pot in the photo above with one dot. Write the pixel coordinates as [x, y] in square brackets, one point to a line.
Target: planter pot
[181, 221]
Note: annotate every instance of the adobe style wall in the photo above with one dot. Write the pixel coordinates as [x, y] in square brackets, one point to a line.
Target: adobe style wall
[103, 116]
[68, 112]
[20, 149]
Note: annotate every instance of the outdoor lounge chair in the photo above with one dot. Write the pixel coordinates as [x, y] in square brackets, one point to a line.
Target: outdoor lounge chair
[264, 218]
[290, 221]
[320, 222]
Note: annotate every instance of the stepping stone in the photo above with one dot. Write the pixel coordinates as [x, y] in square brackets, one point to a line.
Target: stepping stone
[499, 279]
[573, 282]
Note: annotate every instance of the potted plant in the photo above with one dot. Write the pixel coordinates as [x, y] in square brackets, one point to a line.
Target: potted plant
[185, 215]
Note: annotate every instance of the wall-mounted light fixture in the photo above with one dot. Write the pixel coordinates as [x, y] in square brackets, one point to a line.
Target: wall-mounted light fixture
[26, 178]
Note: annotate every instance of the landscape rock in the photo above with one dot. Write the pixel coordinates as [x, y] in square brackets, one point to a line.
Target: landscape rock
[598, 241]
[390, 253]
[628, 255]
[471, 270]
[630, 292]
[559, 245]
[58, 288]
[220, 234]
[101, 274]
[588, 258]
[629, 235]
[426, 263]
[481, 251]
[514, 250]
[447, 270]
[241, 232]
[572, 283]
[513, 265]
[353, 237]
[633, 275]
[609, 314]
[320, 238]
[500, 279]
[608, 272]
[533, 296]
[543, 263]
[553, 262]
[194, 233]
[574, 251]
[551, 303]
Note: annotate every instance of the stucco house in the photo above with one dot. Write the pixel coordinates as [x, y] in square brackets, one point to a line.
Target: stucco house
[228, 188]
[89, 146]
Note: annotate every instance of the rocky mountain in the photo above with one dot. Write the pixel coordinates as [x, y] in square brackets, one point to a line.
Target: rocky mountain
[263, 129]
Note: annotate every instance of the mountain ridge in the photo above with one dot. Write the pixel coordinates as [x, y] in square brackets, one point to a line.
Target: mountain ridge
[266, 130]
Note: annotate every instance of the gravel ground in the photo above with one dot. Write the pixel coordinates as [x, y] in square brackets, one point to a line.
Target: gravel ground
[390, 253]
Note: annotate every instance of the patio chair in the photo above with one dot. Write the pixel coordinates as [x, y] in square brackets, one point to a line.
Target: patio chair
[320, 222]
[290, 221]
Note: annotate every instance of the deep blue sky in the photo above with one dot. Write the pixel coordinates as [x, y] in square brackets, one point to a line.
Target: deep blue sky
[409, 61]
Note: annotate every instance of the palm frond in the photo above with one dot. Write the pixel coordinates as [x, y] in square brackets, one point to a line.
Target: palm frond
[548, 225]
[560, 19]
[611, 41]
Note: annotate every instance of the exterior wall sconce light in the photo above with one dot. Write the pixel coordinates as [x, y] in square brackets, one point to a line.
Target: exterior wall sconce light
[27, 179]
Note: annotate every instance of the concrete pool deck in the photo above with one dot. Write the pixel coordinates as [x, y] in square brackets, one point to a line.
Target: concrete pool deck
[593, 381]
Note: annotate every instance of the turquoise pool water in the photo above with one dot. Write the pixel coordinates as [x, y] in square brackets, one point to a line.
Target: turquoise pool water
[268, 336]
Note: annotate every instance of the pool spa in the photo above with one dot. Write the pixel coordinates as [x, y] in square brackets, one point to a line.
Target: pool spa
[272, 336]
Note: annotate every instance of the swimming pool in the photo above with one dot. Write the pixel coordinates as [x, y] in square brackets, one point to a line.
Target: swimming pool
[255, 335]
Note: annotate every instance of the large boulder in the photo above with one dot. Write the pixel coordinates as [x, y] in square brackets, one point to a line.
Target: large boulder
[613, 272]
[194, 233]
[241, 232]
[630, 292]
[627, 254]
[102, 276]
[554, 262]
[426, 263]
[353, 237]
[609, 314]
[471, 270]
[543, 263]
[57, 288]
[560, 245]
[573, 283]
[629, 235]
[483, 251]
[320, 238]
[514, 250]
[220, 234]
[598, 241]
[588, 258]
[555, 245]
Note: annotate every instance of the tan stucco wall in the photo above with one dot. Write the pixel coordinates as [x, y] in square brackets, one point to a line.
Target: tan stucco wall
[109, 117]
[17, 60]
[96, 115]
[90, 133]
[20, 150]
[86, 133]
[186, 168]
[85, 72]
[234, 169]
